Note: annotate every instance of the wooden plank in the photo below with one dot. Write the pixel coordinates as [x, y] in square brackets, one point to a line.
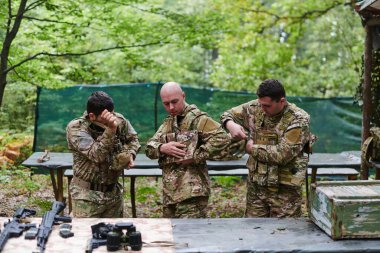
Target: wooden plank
[349, 159]
[334, 172]
[260, 235]
[152, 230]
[205, 235]
[158, 172]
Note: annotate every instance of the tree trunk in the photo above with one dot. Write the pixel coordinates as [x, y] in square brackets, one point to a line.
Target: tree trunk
[3, 82]
[367, 99]
[9, 37]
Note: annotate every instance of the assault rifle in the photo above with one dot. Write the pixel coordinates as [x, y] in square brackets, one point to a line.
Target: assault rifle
[49, 219]
[14, 227]
[113, 236]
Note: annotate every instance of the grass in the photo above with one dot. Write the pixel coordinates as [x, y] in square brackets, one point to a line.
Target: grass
[227, 197]
[20, 189]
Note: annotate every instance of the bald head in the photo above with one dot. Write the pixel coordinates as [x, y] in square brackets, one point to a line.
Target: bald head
[170, 88]
[173, 98]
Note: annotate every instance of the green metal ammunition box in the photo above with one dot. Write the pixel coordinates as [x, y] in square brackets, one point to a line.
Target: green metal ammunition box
[346, 209]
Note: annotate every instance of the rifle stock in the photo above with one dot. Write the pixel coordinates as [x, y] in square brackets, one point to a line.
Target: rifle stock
[14, 227]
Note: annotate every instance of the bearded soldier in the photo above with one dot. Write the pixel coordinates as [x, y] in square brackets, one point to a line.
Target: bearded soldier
[182, 144]
[103, 143]
[276, 132]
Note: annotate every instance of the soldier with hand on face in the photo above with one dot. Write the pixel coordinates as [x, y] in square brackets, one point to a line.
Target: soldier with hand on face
[276, 132]
[184, 141]
[103, 143]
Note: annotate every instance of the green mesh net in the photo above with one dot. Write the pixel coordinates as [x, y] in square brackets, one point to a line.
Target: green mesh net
[336, 121]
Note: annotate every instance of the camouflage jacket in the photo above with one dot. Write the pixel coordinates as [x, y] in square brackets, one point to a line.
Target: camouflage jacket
[95, 149]
[281, 161]
[181, 182]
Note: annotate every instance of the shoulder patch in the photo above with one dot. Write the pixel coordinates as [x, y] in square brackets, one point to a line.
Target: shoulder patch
[208, 125]
[293, 135]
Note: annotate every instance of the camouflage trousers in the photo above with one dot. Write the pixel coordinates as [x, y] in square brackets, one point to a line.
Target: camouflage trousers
[87, 209]
[190, 208]
[262, 201]
[96, 204]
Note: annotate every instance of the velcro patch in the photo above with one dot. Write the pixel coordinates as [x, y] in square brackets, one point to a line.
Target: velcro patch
[293, 135]
[208, 125]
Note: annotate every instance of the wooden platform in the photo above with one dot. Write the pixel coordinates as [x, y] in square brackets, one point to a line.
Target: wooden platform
[152, 231]
[204, 235]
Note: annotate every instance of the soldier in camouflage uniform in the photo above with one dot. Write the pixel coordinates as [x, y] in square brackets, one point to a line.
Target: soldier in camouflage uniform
[276, 132]
[103, 143]
[182, 144]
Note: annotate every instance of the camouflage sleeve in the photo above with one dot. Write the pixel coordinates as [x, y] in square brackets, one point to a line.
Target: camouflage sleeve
[289, 146]
[132, 145]
[81, 141]
[152, 147]
[214, 140]
[236, 114]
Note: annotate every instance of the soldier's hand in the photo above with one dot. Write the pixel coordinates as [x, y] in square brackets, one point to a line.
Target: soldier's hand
[108, 119]
[249, 146]
[173, 148]
[131, 163]
[237, 131]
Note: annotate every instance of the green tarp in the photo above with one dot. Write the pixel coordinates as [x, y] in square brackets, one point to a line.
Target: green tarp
[336, 121]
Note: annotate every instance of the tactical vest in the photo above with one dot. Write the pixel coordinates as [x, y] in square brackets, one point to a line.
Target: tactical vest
[183, 134]
[267, 174]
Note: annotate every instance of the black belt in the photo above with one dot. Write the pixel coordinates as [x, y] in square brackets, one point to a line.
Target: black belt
[102, 187]
[92, 186]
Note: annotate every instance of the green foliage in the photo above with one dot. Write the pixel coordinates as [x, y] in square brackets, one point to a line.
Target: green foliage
[19, 180]
[314, 44]
[226, 182]
[17, 113]
[314, 47]
[144, 192]
[43, 204]
[14, 137]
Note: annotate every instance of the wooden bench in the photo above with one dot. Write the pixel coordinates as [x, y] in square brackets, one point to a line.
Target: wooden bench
[351, 174]
[134, 173]
[376, 165]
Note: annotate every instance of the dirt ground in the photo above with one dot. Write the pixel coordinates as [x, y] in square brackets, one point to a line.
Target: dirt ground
[19, 189]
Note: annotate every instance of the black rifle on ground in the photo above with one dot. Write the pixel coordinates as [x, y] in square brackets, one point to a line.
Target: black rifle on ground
[113, 236]
[49, 219]
[15, 227]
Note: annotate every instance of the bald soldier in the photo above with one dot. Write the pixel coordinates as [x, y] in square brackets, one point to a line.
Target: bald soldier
[182, 144]
[276, 132]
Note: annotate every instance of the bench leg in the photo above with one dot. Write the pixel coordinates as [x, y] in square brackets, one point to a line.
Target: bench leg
[68, 194]
[53, 182]
[352, 177]
[133, 195]
[307, 189]
[313, 175]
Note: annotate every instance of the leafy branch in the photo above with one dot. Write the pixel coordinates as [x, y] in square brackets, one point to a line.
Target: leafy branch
[71, 54]
[293, 19]
[49, 20]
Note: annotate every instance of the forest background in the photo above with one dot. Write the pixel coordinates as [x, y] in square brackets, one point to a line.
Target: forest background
[314, 47]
